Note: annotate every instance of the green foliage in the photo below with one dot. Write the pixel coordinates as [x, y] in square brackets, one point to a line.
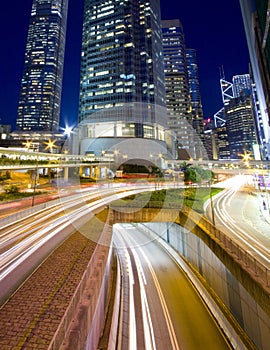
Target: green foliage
[11, 189]
[17, 195]
[18, 161]
[5, 175]
[8, 175]
[134, 168]
[193, 197]
[196, 174]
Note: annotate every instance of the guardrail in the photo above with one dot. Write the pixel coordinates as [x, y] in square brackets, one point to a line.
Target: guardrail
[22, 214]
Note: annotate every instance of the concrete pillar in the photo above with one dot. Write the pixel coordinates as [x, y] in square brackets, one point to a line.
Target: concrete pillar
[66, 173]
[106, 172]
[97, 172]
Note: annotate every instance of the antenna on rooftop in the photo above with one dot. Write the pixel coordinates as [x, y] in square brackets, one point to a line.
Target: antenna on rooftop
[221, 73]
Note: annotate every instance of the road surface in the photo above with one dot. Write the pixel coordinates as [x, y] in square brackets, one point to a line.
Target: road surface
[160, 307]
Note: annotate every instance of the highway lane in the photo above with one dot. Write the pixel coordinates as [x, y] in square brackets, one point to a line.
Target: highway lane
[160, 308]
[238, 213]
[36, 236]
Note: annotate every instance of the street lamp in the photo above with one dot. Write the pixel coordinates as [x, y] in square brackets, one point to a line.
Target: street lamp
[246, 157]
[211, 203]
[50, 145]
[35, 179]
[28, 145]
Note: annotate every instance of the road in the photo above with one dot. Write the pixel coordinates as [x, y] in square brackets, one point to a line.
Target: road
[238, 212]
[24, 244]
[160, 308]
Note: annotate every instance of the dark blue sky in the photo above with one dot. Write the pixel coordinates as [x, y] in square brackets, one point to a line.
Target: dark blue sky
[214, 28]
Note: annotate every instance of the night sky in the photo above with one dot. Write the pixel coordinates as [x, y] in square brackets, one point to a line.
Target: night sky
[214, 28]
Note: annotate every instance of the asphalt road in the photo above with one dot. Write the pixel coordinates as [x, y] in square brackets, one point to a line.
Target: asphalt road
[160, 307]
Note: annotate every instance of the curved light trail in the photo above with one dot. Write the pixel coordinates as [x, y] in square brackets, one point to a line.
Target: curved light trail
[22, 240]
[231, 221]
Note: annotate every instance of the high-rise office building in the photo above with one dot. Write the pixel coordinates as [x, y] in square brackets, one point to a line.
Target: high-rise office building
[210, 139]
[240, 112]
[235, 122]
[122, 72]
[181, 78]
[240, 126]
[195, 93]
[40, 97]
[223, 146]
[176, 73]
[256, 17]
[241, 85]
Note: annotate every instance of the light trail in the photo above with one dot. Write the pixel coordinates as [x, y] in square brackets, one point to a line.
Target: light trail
[166, 313]
[45, 231]
[149, 336]
[222, 203]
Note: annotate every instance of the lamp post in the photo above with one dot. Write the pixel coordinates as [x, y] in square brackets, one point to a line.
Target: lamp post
[35, 178]
[29, 145]
[49, 145]
[211, 204]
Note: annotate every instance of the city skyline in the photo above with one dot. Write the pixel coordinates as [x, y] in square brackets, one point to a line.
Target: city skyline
[204, 31]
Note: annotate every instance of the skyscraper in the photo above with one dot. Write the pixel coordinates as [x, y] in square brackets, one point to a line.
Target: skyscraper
[236, 130]
[241, 85]
[121, 55]
[41, 86]
[255, 15]
[240, 126]
[122, 74]
[178, 76]
[195, 93]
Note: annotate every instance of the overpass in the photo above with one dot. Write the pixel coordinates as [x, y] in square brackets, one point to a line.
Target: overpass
[99, 166]
[58, 158]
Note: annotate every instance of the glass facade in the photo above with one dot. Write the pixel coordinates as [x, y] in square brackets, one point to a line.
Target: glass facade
[263, 13]
[241, 85]
[122, 64]
[195, 93]
[256, 18]
[40, 98]
[240, 126]
[176, 74]
[178, 77]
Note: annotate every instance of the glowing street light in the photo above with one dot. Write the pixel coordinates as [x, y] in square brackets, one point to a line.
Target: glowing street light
[28, 145]
[50, 145]
[68, 131]
[246, 157]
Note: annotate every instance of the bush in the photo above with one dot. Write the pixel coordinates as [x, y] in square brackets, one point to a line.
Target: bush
[5, 176]
[11, 189]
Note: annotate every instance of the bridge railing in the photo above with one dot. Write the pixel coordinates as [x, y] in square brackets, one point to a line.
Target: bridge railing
[29, 211]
